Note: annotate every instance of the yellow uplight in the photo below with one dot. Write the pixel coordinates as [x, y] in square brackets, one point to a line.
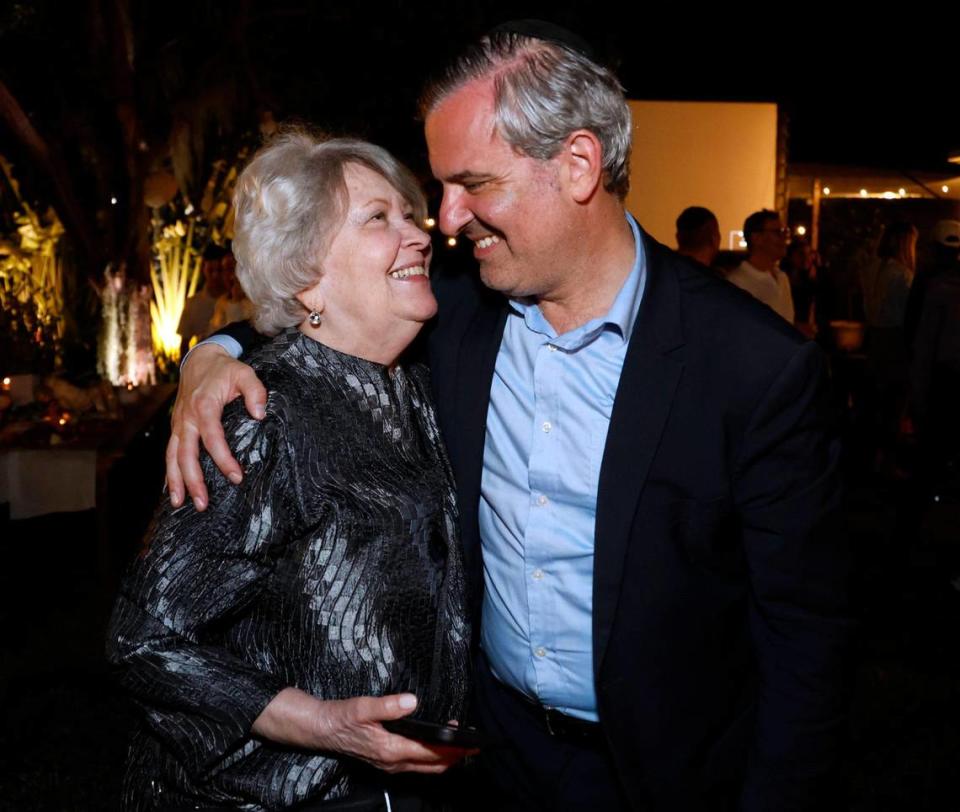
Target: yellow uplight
[174, 279]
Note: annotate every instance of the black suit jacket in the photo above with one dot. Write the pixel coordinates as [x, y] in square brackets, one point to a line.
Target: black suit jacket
[720, 621]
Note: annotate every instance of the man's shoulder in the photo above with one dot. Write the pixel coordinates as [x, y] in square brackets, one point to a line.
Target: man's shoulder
[461, 288]
[460, 296]
[720, 319]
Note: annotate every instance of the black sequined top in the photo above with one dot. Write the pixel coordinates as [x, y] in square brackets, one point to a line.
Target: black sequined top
[334, 567]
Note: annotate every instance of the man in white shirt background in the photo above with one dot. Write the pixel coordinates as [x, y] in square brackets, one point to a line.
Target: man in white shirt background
[759, 274]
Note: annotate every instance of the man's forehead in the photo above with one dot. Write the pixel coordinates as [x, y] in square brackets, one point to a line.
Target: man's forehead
[461, 126]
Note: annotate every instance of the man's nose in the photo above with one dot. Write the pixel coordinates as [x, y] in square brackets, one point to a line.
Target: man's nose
[454, 215]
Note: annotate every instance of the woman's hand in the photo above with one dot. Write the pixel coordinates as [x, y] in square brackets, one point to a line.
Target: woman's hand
[352, 727]
[209, 380]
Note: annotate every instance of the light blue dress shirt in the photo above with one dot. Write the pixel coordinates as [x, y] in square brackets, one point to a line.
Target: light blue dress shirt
[550, 406]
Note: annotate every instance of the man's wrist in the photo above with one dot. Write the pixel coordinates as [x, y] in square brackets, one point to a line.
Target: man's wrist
[229, 345]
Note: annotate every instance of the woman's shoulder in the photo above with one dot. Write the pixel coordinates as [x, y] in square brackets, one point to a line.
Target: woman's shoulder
[297, 376]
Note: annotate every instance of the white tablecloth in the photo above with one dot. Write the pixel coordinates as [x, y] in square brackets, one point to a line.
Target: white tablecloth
[35, 482]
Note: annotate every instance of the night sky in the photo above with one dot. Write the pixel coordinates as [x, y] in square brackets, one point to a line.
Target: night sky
[859, 88]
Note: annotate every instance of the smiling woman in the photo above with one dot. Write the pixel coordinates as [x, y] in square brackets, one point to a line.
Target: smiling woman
[377, 294]
[267, 637]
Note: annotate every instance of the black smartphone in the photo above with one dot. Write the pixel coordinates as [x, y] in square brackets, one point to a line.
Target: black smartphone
[433, 733]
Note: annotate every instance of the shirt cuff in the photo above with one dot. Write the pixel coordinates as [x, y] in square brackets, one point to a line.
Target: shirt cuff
[231, 345]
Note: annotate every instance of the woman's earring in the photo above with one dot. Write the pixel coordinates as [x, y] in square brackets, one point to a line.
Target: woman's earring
[314, 318]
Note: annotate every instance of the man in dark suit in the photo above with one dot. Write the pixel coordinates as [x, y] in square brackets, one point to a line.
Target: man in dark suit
[645, 463]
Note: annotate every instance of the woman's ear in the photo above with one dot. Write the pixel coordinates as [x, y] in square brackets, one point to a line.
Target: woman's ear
[312, 299]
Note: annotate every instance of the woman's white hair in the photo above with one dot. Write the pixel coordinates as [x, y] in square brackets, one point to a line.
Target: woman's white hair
[290, 200]
[544, 92]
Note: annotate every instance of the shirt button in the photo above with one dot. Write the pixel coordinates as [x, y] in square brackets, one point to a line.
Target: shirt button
[547, 426]
[537, 574]
[540, 651]
[542, 500]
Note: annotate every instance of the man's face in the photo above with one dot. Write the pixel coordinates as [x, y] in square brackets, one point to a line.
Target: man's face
[511, 206]
[771, 240]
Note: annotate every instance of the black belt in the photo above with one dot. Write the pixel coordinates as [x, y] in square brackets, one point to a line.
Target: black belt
[557, 724]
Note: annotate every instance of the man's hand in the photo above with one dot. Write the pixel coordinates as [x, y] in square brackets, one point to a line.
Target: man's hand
[209, 380]
[352, 727]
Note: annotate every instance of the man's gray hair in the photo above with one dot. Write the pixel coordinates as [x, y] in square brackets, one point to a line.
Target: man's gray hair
[543, 93]
[290, 201]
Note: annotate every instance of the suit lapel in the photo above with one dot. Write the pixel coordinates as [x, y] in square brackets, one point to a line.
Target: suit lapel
[476, 360]
[651, 372]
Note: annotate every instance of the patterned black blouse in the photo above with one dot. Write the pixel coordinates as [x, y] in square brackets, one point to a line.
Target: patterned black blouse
[334, 567]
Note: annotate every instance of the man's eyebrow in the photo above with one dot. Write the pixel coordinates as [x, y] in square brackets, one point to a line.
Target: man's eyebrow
[466, 175]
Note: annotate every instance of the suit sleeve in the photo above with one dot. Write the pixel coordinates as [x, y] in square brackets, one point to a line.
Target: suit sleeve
[788, 496]
[195, 580]
[243, 333]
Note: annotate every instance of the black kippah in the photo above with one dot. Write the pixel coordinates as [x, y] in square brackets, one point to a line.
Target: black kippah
[549, 32]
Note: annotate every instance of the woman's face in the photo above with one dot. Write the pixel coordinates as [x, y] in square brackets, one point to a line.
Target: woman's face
[375, 285]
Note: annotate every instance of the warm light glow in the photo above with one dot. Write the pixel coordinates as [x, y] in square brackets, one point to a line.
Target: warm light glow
[826, 190]
[125, 353]
[62, 421]
[189, 209]
[174, 278]
[743, 243]
[801, 230]
[945, 188]
[6, 382]
[113, 201]
[889, 196]
[429, 222]
[452, 241]
[902, 192]
[129, 387]
[863, 193]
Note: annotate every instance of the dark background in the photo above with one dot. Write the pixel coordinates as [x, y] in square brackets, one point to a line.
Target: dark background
[110, 85]
[104, 85]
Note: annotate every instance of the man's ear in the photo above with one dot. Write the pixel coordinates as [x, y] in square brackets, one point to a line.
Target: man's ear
[583, 160]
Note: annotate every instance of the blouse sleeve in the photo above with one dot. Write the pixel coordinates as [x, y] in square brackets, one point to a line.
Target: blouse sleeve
[198, 576]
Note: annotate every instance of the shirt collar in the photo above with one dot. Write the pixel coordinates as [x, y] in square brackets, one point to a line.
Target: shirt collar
[620, 318]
